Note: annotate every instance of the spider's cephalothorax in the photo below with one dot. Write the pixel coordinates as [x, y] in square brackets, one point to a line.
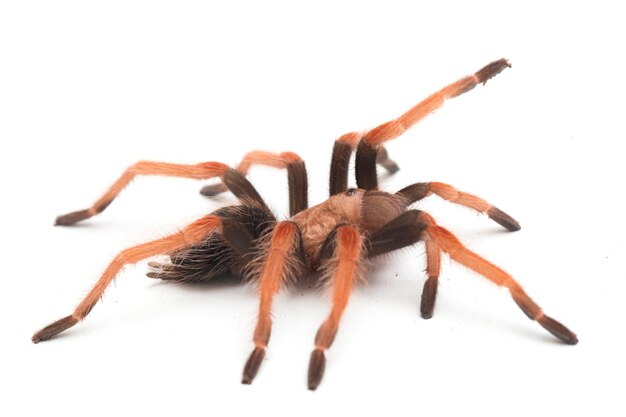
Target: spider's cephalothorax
[336, 237]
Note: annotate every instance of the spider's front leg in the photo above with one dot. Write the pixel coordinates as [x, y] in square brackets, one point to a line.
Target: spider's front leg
[281, 258]
[368, 144]
[342, 269]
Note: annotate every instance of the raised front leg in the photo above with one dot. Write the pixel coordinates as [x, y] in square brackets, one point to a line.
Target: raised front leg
[372, 140]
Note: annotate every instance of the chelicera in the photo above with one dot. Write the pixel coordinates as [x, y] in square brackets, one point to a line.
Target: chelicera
[335, 238]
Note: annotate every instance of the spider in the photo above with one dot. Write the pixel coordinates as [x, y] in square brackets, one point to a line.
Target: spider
[335, 238]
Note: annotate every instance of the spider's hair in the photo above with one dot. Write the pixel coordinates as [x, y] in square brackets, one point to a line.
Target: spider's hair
[294, 258]
[328, 267]
[214, 257]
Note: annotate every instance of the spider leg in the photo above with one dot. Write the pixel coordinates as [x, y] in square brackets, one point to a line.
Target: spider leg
[449, 243]
[394, 128]
[195, 232]
[296, 176]
[406, 230]
[371, 140]
[344, 269]
[415, 225]
[273, 271]
[231, 178]
[420, 190]
[340, 163]
[433, 267]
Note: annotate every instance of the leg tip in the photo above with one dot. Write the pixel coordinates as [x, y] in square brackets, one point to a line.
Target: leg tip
[558, 330]
[429, 296]
[491, 70]
[427, 315]
[503, 219]
[212, 190]
[317, 364]
[252, 365]
[53, 329]
[71, 218]
[391, 167]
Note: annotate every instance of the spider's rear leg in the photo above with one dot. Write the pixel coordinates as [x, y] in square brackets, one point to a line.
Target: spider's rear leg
[282, 258]
[343, 269]
[296, 176]
[418, 191]
[195, 232]
[200, 171]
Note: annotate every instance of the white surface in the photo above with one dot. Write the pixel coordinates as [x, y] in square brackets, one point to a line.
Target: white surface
[87, 89]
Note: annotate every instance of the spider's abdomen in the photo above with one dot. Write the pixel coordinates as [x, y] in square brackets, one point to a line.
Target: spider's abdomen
[214, 257]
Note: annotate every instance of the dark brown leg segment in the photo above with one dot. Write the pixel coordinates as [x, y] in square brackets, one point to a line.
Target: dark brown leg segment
[298, 187]
[339, 167]
[433, 266]
[405, 230]
[365, 166]
[382, 159]
[420, 190]
[242, 189]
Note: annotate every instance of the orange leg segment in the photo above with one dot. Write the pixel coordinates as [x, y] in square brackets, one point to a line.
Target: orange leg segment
[273, 274]
[348, 253]
[421, 190]
[194, 233]
[369, 146]
[394, 128]
[459, 253]
[275, 160]
[200, 171]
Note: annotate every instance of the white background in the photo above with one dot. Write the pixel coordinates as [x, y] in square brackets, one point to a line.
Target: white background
[88, 88]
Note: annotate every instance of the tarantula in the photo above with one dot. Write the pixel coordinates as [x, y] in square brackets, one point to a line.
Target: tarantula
[333, 238]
